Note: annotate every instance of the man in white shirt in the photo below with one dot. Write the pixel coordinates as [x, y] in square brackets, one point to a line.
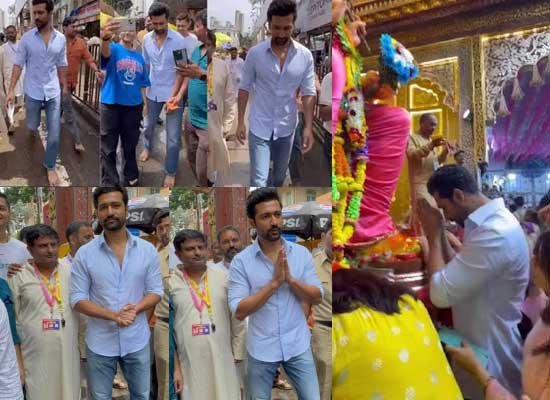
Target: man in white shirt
[78, 233]
[235, 65]
[10, 385]
[229, 240]
[325, 101]
[12, 251]
[184, 26]
[7, 59]
[485, 281]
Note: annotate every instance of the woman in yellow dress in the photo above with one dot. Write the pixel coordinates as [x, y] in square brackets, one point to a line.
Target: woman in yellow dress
[384, 345]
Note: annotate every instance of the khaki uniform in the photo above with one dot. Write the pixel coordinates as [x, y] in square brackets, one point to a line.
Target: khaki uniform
[321, 335]
[160, 335]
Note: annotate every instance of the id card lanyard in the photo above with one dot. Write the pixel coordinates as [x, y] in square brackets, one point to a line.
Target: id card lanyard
[204, 296]
[51, 294]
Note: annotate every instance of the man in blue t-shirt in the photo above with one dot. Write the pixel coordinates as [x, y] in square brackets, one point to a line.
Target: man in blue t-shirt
[121, 104]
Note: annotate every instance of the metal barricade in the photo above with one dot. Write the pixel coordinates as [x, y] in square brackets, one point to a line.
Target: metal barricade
[87, 90]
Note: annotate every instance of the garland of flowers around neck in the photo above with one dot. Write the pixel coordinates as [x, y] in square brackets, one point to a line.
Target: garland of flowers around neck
[348, 170]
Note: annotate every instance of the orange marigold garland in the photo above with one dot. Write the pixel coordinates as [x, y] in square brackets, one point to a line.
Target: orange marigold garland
[348, 170]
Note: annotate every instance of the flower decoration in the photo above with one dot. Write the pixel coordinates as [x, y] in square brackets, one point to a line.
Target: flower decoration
[396, 57]
[349, 151]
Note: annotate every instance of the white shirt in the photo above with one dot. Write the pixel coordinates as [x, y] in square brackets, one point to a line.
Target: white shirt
[222, 265]
[10, 385]
[235, 71]
[12, 252]
[325, 97]
[485, 286]
[8, 53]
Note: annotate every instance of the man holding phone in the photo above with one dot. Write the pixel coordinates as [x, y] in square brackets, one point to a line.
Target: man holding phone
[192, 78]
[158, 52]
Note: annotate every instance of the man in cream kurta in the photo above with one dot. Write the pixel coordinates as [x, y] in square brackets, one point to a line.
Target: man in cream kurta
[7, 59]
[207, 361]
[50, 357]
[423, 161]
[220, 122]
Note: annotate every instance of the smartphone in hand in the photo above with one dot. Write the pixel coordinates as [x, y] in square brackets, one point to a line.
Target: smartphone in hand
[180, 57]
[127, 25]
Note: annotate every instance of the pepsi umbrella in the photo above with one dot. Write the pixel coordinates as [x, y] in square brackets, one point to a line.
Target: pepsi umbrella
[142, 211]
[306, 220]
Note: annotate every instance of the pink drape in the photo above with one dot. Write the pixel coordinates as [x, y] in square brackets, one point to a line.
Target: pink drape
[388, 132]
[338, 83]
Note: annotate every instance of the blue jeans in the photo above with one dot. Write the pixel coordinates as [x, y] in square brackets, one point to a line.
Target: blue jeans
[300, 370]
[262, 152]
[53, 125]
[173, 133]
[136, 368]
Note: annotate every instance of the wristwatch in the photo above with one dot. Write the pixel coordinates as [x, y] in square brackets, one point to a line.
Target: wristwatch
[203, 77]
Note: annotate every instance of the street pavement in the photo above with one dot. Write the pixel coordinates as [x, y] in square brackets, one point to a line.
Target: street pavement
[22, 155]
[151, 172]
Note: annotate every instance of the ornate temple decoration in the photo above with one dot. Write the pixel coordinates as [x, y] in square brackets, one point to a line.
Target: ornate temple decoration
[504, 55]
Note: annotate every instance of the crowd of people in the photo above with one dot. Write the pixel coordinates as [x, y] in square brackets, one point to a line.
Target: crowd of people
[489, 266]
[47, 63]
[103, 292]
[267, 100]
[249, 312]
[144, 61]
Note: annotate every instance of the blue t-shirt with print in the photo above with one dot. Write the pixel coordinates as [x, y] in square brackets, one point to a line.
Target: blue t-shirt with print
[125, 75]
[197, 96]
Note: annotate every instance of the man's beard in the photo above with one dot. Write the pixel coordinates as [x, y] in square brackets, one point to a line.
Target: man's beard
[112, 227]
[281, 41]
[230, 254]
[273, 234]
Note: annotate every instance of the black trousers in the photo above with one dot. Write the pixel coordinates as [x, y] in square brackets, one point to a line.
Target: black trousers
[119, 122]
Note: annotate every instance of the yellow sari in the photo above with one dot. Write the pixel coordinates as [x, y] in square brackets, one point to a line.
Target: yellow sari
[376, 356]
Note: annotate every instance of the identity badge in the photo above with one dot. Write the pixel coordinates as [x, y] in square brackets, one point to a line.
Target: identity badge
[51, 324]
[200, 329]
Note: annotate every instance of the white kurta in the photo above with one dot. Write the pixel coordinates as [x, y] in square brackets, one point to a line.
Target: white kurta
[7, 60]
[51, 358]
[207, 362]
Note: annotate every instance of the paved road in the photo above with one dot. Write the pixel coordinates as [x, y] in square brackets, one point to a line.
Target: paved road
[152, 171]
[21, 157]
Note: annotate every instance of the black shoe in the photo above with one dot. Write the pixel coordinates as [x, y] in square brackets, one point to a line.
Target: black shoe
[159, 121]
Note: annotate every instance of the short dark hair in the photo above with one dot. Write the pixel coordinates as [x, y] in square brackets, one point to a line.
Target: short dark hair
[211, 36]
[425, 116]
[458, 152]
[23, 233]
[10, 26]
[281, 8]
[49, 4]
[68, 21]
[226, 229]
[519, 201]
[450, 177]
[157, 9]
[160, 215]
[38, 231]
[103, 190]
[186, 17]
[74, 227]
[188, 234]
[202, 16]
[3, 196]
[260, 196]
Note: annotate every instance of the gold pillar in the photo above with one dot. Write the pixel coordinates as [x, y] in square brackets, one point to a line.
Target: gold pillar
[478, 99]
